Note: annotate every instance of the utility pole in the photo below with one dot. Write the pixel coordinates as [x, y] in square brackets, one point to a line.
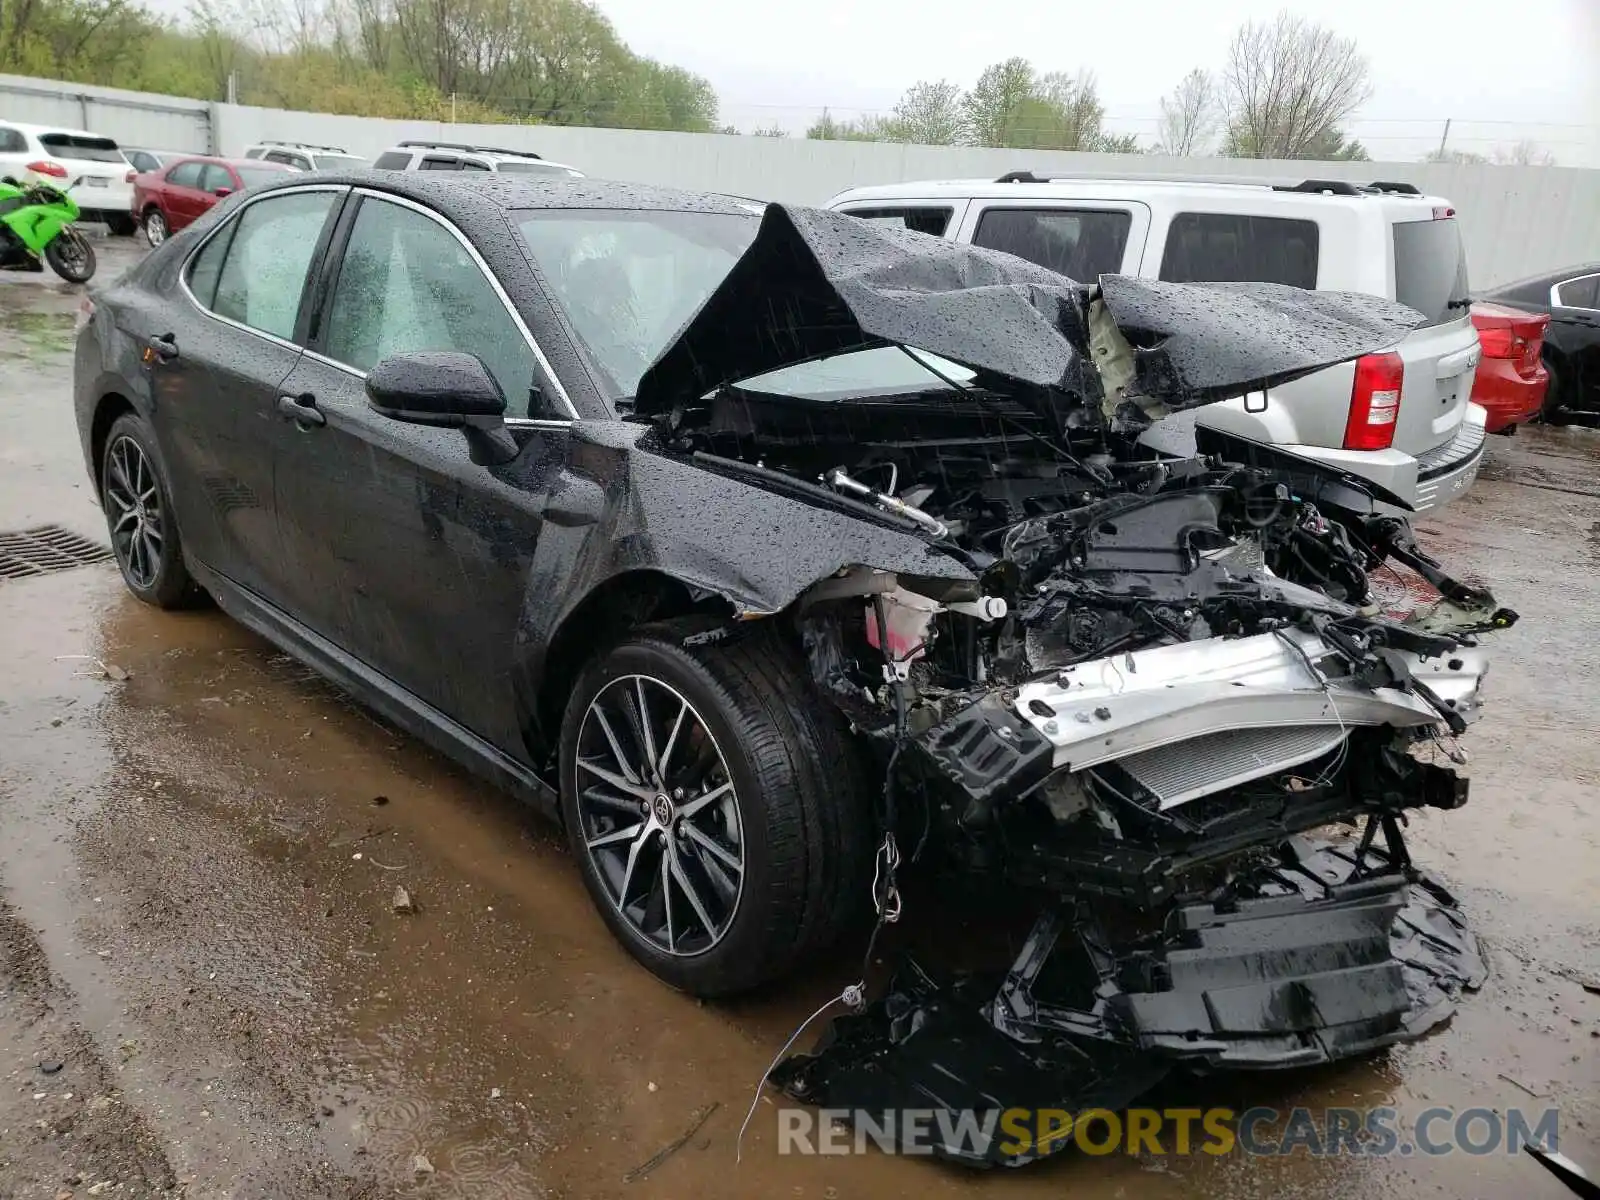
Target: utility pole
[452, 108]
[1443, 138]
[233, 87]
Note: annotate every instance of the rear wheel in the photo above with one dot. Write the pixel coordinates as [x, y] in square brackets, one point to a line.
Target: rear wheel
[715, 808]
[155, 227]
[71, 256]
[138, 507]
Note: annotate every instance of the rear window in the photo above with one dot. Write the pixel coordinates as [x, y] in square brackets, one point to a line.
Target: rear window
[393, 160]
[1079, 243]
[81, 147]
[1430, 269]
[1233, 248]
[920, 219]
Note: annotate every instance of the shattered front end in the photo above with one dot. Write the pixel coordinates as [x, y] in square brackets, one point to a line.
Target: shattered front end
[1154, 685]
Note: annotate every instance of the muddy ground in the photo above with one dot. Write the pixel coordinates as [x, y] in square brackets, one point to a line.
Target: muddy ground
[204, 990]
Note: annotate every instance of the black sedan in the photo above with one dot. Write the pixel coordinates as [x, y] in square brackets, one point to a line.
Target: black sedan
[765, 547]
[1572, 343]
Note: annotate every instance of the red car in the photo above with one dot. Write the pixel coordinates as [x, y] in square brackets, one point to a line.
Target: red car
[165, 201]
[1511, 379]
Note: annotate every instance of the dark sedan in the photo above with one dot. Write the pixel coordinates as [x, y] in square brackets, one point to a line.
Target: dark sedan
[1572, 342]
[766, 547]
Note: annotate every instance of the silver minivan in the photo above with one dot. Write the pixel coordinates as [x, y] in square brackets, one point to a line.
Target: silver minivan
[1403, 419]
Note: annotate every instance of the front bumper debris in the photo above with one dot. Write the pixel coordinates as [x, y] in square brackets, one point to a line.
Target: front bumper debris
[1334, 951]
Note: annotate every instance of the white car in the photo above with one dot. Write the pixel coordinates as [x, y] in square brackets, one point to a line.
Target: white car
[458, 156]
[50, 154]
[1402, 419]
[303, 156]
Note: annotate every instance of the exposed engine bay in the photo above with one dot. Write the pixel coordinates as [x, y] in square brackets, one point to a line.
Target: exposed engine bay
[1160, 675]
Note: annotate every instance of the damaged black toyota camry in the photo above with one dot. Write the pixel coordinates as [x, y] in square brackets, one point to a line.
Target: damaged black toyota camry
[773, 550]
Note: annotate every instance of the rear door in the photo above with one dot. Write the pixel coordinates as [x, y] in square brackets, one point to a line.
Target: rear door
[231, 330]
[1441, 357]
[1079, 238]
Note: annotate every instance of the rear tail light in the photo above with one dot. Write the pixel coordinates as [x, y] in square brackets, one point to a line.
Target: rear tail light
[1501, 342]
[1374, 402]
[46, 167]
[128, 178]
[1519, 338]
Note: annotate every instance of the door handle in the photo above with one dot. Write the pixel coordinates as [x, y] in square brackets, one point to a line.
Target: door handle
[164, 347]
[302, 410]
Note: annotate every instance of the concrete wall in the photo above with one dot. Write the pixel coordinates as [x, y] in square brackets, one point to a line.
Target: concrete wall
[1516, 220]
[132, 118]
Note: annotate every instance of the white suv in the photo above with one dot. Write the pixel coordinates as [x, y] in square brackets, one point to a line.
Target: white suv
[458, 156]
[1402, 419]
[303, 156]
[50, 154]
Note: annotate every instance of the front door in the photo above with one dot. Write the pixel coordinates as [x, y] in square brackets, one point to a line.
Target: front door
[216, 376]
[407, 555]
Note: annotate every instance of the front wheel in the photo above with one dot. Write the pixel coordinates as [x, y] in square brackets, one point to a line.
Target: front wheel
[155, 227]
[715, 807]
[71, 256]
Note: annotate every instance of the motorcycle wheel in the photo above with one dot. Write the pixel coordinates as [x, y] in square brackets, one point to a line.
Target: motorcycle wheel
[71, 256]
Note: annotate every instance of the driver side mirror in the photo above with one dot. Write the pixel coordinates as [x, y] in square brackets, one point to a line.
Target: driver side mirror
[445, 390]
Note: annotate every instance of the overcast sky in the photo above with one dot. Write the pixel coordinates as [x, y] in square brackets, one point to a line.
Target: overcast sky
[1502, 69]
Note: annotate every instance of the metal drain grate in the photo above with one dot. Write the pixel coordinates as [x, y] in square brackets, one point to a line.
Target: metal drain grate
[46, 549]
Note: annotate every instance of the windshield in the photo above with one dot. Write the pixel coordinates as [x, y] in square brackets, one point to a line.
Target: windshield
[879, 372]
[337, 162]
[81, 147]
[256, 176]
[630, 279]
[539, 168]
[1430, 269]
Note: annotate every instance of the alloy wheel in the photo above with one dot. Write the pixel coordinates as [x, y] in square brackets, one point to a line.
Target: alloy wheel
[660, 815]
[155, 229]
[133, 508]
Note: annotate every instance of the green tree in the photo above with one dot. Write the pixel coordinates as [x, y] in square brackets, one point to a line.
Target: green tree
[992, 106]
[930, 114]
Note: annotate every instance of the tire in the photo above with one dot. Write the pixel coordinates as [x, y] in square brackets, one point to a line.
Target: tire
[71, 256]
[155, 227]
[144, 533]
[793, 813]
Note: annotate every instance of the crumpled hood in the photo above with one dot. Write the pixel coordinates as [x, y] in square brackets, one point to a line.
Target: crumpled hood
[815, 283]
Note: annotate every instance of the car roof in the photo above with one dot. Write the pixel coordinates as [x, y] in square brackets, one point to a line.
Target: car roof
[1546, 278]
[1129, 187]
[481, 152]
[182, 158]
[38, 129]
[457, 194]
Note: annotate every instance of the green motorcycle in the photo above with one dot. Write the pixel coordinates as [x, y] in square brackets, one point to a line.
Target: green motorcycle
[37, 219]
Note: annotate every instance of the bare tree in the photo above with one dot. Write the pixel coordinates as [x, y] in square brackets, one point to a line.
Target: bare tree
[1526, 153]
[930, 114]
[1287, 83]
[1457, 157]
[1189, 116]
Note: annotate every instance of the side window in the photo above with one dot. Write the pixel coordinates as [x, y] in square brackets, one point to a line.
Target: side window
[472, 164]
[12, 141]
[408, 284]
[1080, 243]
[138, 159]
[918, 219]
[265, 269]
[1229, 247]
[186, 174]
[215, 176]
[392, 160]
[435, 163]
[206, 267]
[1579, 293]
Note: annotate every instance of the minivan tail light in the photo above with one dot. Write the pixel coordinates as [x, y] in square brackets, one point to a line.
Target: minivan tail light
[46, 167]
[1374, 402]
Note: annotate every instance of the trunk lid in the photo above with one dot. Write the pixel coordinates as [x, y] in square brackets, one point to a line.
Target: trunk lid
[1441, 356]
